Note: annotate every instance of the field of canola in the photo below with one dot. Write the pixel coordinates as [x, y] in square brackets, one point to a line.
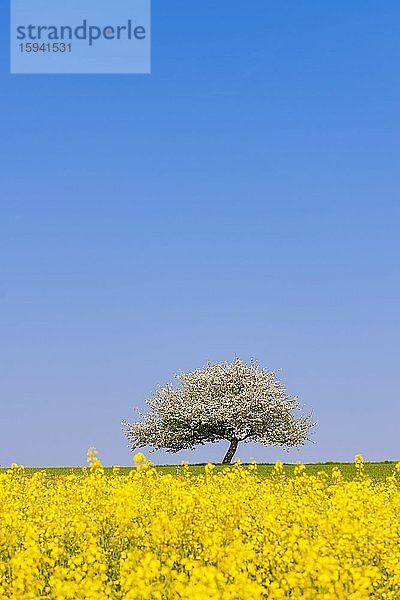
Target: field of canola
[227, 535]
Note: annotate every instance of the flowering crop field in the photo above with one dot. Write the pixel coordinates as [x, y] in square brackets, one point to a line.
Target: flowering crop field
[225, 534]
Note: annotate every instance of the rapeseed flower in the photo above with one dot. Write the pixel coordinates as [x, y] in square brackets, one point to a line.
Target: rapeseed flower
[219, 535]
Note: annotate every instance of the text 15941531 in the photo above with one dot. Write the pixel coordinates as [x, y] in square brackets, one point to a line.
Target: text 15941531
[49, 47]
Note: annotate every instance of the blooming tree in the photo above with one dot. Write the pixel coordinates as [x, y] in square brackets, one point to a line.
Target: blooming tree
[229, 401]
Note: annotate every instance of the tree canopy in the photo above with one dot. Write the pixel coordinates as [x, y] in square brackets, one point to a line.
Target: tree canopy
[223, 401]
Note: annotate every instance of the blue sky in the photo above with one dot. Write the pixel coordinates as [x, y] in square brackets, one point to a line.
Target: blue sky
[243, 198]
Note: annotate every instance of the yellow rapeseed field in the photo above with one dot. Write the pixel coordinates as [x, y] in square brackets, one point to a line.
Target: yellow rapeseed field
[230, 535]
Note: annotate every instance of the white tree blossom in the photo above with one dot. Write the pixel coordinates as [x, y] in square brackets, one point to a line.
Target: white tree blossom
[229, 401]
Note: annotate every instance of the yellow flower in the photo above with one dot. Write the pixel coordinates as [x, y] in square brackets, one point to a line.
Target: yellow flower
[299, 469]
[139, 458]
[278, 468]
[232, 535]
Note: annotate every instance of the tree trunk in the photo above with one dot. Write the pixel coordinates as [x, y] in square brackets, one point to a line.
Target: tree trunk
[231, 451]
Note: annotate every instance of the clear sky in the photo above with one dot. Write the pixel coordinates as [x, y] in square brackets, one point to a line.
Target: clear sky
[243, 198]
